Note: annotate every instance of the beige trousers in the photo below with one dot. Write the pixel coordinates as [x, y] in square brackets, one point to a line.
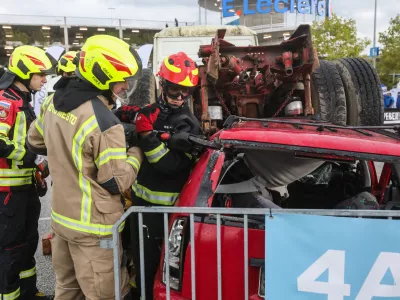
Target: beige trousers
[83, 271]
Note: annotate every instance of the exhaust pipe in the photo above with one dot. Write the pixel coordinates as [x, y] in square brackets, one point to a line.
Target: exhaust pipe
[287, 58]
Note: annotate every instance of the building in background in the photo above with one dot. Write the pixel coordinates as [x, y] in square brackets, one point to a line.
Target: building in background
[272, 28]
[72, 32]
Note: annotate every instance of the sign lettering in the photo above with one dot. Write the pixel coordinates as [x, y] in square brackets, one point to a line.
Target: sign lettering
[391, 116]
[312, 7]
[333, 261]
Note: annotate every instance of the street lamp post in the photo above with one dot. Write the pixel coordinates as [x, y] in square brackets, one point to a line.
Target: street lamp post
[199, 14]
[205, 11]
[376, 5]
[66, 42]
[121, 31]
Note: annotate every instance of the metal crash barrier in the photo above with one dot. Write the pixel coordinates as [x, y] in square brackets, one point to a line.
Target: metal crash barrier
[216, 212]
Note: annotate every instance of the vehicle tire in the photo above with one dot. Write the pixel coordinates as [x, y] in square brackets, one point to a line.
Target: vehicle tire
[367, 83]
[327, 94]
[353, 97]
[146, 91]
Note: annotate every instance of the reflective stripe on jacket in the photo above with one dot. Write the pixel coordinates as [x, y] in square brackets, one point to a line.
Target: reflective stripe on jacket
[164, 171]
[13, 127]
[11, 296]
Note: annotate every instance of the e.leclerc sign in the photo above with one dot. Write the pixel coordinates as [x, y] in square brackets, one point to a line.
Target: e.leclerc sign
[311, 7]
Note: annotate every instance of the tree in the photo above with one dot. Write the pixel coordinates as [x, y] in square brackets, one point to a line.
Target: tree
[336, 37]
[389, 60]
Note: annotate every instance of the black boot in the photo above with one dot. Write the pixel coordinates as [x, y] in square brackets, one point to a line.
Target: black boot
[129, 296]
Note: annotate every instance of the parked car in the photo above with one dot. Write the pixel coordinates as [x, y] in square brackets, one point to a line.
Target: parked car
[272, 163]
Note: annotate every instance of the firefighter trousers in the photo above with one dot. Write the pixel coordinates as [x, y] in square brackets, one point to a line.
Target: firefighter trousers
[85, 271]
[153, 234]
[19, 216]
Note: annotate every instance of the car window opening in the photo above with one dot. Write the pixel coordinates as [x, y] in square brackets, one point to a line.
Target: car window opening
[258, 178]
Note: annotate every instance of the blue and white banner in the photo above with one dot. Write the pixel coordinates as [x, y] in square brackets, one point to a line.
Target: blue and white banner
[331, 258]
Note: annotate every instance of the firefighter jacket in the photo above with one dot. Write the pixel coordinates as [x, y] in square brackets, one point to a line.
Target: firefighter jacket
[88, 161]
[16, 161]
[164, 171]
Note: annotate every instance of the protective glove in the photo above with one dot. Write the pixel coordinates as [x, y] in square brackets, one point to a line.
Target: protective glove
[127, 198]
[130, 135]
[147, 117]
[127, 113]
[41, 184]
[42, 166]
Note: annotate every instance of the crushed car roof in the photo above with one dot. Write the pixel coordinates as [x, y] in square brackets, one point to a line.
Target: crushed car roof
[312, 136]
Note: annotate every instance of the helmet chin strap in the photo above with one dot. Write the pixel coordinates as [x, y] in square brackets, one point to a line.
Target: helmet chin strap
[164, 95]
[26, 83]
[109, 96]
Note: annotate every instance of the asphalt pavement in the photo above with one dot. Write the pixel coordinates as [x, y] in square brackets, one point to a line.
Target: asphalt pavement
[44, 268]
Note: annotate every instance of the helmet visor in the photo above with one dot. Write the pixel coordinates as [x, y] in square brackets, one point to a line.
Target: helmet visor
[124, 90]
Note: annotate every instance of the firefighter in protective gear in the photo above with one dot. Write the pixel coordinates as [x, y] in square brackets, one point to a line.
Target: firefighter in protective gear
[65, 70]
[90, 166]
[65, 65]
[164, 171]
[19, 168]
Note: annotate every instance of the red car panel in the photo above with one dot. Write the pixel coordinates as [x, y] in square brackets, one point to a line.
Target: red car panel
[199, 189]
[232, 260]
[286, 134]
[232, 263]
[160, 292]
[190, 190]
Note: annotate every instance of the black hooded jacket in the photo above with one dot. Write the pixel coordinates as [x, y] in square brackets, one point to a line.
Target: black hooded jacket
[71, 93]
[164, 171]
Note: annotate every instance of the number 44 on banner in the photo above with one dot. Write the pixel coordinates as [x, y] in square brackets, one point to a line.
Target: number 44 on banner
[333, 261]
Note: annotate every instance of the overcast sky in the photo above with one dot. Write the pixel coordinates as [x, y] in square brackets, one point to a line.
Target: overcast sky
[187, 10]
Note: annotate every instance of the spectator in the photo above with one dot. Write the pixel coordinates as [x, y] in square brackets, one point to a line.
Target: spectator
[398, 101]
[388, 100]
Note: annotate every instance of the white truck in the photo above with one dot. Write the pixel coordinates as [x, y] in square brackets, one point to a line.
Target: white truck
[186, 39]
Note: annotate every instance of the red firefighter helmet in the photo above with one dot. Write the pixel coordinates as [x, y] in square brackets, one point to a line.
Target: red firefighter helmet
[179, 69]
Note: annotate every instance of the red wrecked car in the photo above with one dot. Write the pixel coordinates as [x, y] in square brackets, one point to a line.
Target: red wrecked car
[272, 163]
